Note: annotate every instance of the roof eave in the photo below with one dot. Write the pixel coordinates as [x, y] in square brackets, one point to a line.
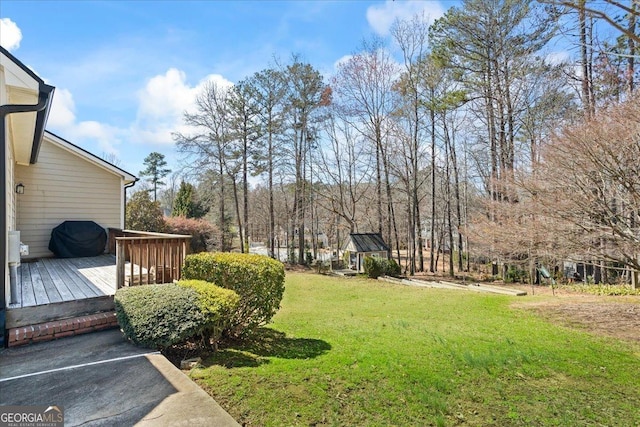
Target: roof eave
[46, 92]
[127, 177]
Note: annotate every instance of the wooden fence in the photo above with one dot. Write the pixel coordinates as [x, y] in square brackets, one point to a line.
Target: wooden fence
[147, 258]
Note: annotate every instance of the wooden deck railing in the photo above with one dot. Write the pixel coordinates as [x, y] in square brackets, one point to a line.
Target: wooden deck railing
[152, 257]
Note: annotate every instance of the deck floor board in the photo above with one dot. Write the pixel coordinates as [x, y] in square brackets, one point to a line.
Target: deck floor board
[90, 289]
[38, 287]
[94, 272]
[59, 283]
[75, 284]
[53, 295]
[54, 280]
[27, 296]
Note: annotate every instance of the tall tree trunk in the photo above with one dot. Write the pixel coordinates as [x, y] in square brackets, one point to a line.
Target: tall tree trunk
[420, 238]
[272, 219]
[223, 230]
[432, 263]
[448, 207]
[584, 60]
[391, 222]
[411, 246]
[456, 188]
[632, 47]
[245, 190]
[237, 203]
[301, 196]
[417, 223]
[379, 184]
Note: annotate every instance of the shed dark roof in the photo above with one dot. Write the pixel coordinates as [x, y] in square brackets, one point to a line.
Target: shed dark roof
[368, 242]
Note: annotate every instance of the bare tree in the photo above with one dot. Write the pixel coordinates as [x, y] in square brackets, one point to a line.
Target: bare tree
[363, 88]
[209, 143]
[306, 93]
[582, 203]
[270, 91]
[591, 186]
[345, 172]
[412, 37]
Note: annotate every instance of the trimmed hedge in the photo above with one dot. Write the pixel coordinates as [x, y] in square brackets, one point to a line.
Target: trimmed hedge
[158, 316]
[216, 304]
[375, 267]
[258, 280]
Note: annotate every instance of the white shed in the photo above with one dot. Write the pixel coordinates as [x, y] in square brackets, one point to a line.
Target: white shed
[360, 245]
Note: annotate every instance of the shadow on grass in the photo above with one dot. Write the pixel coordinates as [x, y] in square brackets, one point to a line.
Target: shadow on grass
[264, 343]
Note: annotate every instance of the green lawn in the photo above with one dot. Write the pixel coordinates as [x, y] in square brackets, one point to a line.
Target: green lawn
[355, 352]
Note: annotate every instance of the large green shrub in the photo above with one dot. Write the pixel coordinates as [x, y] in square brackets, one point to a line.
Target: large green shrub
[391, 268]
[158, 316]
[143, 214]
[372, 267]
[375, 267]
[258, 280]
[217, 304]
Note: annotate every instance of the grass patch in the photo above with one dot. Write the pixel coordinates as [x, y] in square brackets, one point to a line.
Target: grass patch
[604, 290]
[360, 352]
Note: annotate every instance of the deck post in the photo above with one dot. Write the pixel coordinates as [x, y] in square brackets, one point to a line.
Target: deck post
[120, 261]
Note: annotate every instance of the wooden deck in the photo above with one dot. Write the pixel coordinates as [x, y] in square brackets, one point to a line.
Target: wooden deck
[54, 280]
[51, 289]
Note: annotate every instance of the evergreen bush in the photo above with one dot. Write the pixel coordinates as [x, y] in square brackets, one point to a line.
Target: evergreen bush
[372, 267]
[375, 267]
[158, 316]
[257, 279]
[391, 268]
[216, 304]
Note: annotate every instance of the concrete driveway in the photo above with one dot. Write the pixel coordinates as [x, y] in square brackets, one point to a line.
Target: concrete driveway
[102, 380]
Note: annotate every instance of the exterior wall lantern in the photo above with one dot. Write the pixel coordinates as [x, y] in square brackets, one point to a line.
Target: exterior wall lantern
[20, 188]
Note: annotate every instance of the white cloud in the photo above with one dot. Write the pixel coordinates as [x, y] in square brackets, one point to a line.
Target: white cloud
[342, 61]
[163, 102]
[62, 117]
[557, 58]
[105, 135]
[62, 113]
[62, 121]
[161, 105]
[381, 17]
[10, 34]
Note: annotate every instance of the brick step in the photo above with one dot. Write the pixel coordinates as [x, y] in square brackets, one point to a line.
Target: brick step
[62, 328]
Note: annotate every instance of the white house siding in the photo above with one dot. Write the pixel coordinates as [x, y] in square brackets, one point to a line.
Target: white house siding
[11, 210]
[62, 186]
[9, 161]
[11, 186]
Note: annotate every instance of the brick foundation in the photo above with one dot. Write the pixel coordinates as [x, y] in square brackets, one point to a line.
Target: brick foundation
[62, 328]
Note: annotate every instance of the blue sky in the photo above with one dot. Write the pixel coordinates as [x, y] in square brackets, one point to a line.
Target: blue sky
[125, 71]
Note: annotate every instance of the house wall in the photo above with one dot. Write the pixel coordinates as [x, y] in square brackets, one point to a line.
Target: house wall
[9, 193]
[11, 185]
[9, 162]
[10, 216]
[62, 186]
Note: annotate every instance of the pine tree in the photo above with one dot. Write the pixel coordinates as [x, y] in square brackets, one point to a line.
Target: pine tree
[185, 204]
[156, 170]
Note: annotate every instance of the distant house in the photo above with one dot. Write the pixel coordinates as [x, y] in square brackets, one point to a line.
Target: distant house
[360, 245]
